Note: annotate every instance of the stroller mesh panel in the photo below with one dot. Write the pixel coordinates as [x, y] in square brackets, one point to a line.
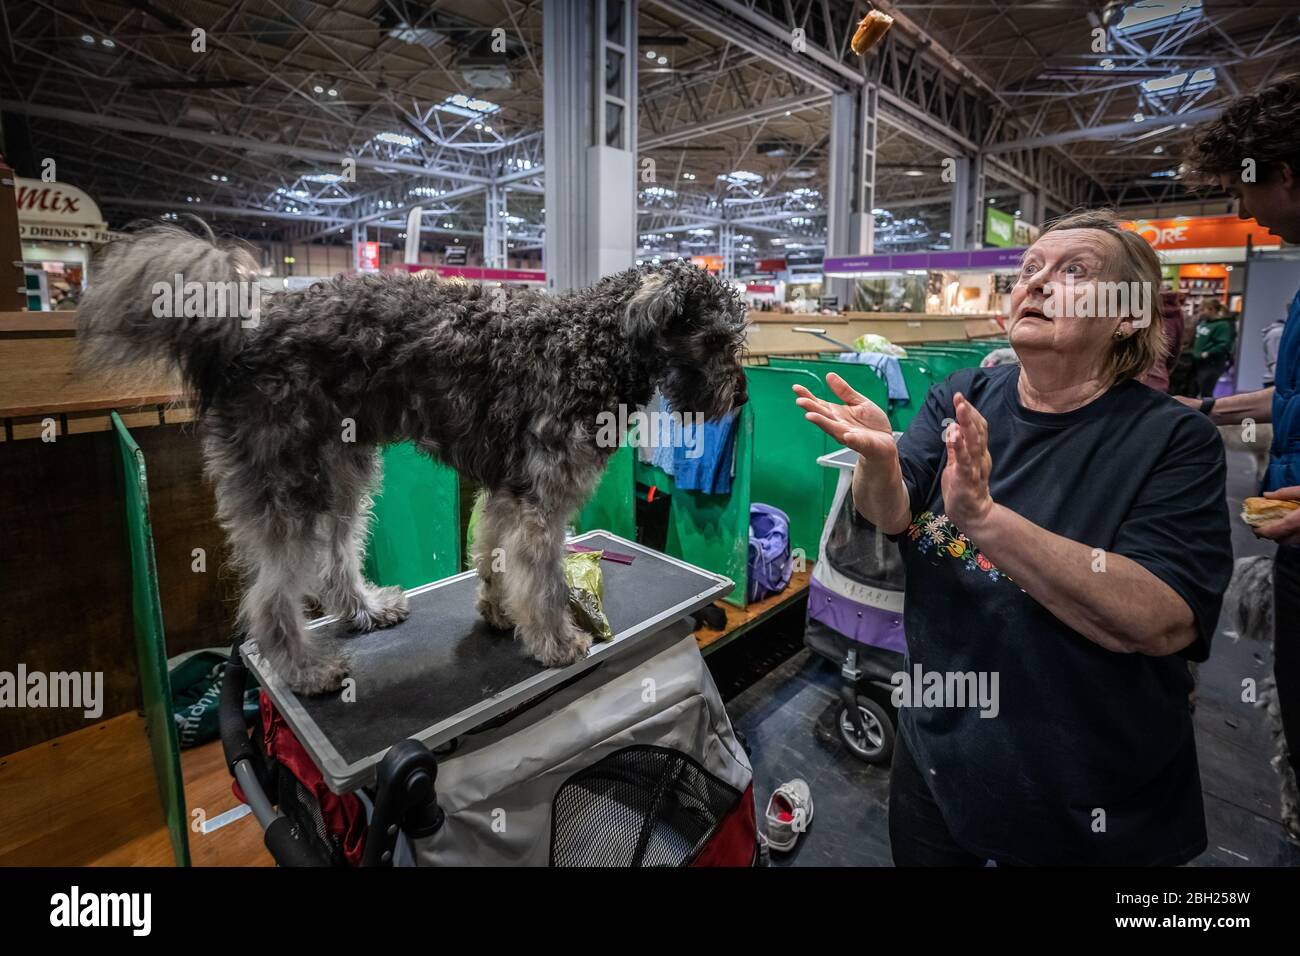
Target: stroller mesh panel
[641, 806]
[300, 805]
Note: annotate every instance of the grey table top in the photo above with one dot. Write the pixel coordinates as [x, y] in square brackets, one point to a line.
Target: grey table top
[444, 671]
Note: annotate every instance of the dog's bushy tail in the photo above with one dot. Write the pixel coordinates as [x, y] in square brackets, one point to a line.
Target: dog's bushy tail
[123, 320]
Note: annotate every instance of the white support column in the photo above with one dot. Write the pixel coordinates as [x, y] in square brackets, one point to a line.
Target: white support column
[495, 231]
[966, 221]
[727, 249]
[851, 189]
[590, 104]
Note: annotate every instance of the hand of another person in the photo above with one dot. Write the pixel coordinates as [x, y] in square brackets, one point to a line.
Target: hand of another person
[1283, 530]
[966, 496]
[859, 423]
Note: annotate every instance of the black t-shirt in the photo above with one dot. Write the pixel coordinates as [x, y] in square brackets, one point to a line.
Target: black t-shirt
[1090, 757]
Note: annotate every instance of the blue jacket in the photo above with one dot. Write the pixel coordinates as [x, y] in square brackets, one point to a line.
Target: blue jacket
[1284, 456]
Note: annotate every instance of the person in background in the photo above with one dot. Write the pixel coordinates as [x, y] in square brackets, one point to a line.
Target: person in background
[1264, 128]
[1272, 343]
[1216, 339]
[1171, 315]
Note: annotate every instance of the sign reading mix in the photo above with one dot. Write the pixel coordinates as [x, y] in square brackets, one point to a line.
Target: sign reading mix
[57, 211]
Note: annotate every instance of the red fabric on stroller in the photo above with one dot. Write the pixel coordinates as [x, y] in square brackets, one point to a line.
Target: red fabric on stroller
[344, 816]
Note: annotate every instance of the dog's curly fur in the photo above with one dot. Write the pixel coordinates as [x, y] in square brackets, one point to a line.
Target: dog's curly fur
[505, 385]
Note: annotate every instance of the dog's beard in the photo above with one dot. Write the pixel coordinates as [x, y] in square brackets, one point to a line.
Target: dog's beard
[692, 393]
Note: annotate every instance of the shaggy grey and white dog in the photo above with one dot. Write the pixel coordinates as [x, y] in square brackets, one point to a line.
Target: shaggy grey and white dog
[506, 386]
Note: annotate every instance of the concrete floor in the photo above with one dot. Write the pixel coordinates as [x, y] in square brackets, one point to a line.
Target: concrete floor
[783, 699]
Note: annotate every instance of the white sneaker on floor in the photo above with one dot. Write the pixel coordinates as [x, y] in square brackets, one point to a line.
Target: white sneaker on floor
[789, 813]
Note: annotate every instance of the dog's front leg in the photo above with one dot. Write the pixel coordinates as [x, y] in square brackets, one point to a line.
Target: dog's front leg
[489, 558]
[536, 594]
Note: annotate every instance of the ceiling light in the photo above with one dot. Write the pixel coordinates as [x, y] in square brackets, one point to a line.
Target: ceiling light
[913, 172]
[1158, 149]
[650, 54]
[1108, 64]
[662, 60]
[87, 38]
[108, 43]
[318, 89]
[1138, 117]
[332, 92]
[397, 139]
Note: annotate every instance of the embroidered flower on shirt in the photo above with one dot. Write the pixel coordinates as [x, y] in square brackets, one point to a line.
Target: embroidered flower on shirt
[936, 534]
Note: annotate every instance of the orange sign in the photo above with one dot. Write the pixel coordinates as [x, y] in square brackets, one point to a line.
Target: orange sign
[711, 263]
[1201, 232]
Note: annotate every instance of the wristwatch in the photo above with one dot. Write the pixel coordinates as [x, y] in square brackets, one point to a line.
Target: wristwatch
[1207, 405]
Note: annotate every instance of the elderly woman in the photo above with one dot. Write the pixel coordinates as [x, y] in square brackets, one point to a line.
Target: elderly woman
[1066, 540]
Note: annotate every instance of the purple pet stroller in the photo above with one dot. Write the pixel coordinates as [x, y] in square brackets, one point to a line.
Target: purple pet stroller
[855, 617]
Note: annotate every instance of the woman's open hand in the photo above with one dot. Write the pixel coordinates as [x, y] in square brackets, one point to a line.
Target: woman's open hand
[859, 423]
[966, 497]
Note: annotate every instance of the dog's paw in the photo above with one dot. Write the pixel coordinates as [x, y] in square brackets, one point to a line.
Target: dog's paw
[493, 613]
[323, 676]
[561, 649]
[384, 608]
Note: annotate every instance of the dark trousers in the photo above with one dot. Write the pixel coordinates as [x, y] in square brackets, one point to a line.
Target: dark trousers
[1207, 375]
[1286, 645]
[917, 834]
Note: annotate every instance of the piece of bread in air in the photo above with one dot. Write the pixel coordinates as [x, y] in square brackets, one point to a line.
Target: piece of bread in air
[1260, 511]
[870, 29]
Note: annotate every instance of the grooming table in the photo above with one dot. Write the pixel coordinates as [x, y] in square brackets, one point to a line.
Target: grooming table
[444, 671]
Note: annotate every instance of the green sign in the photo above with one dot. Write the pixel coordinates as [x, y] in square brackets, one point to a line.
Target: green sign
[999, 229]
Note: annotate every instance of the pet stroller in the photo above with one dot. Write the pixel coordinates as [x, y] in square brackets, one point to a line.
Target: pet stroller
[626, 758]
[855, 617]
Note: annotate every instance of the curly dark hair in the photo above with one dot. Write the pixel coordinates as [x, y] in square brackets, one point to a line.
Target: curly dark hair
[1263, 126]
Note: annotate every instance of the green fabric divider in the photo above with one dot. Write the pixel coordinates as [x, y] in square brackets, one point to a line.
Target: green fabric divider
[151, 644]
[415, 535]
[862, 379]
[786, 449]
[919, 378]
[710, 531]
[612, 506]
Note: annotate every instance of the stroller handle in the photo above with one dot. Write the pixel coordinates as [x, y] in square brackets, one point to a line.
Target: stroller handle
[282, 838]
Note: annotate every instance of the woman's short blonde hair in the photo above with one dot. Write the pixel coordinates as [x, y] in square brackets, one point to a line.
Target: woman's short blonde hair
[1133, 356]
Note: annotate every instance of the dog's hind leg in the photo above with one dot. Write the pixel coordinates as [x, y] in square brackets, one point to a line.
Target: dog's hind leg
[536, 594]
[489, 558]
[283, 551]
[344, 589]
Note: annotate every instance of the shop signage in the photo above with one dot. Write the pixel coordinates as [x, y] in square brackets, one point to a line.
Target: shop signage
[1201, 232]
[41, 232]
[999, 228]
[760, 287]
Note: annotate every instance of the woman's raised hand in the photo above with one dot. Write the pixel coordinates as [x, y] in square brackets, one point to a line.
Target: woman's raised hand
[859, 423]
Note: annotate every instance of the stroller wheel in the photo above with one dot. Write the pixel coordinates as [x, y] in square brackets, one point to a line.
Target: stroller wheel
[876, 745]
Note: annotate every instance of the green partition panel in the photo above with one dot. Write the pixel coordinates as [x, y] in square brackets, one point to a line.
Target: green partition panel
[415, 535]
[712, 531]
[612, 506]
[786, 449]
[862, 379]
[919, 377]
[151, 644]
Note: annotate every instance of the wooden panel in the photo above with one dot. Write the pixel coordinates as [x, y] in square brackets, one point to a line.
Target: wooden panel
[741, 619]
[88, 798]
[34, 426]
[81, 423]
[66, 569]
[38, 322]
[208, 788]
[38, 376]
